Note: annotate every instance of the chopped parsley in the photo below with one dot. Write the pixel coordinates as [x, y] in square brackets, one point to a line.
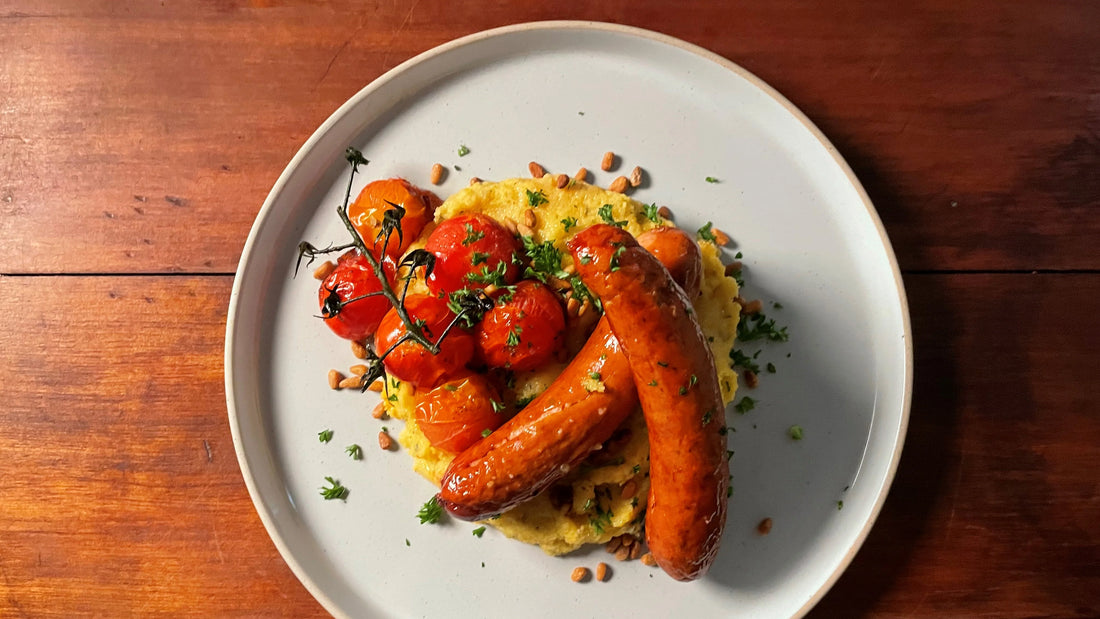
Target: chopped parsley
[683, 390]
[758, 326]
[653, 383]
[705, 232]
[463, 150]
[535, 198]
[497, 406]
[777, 305]
[486, 276]
[741, 360]
[569, 223]
[771, 368]
[691, 381]
[795, 432]
[335, 490]
[472, 235]
[486, 432]
[450, 387]
[840, 505]
[745, 405]
[478, 532]
[513, 336]
[478, 257]
[711, 179]
[407, 542]
[650, 211]
[430, 512]
[707, 416]
[615, 257]
[595, 376]
[608, 218]
[325, 436]
[545, 259]
[355, 451]
[581, 292]
[524, 401]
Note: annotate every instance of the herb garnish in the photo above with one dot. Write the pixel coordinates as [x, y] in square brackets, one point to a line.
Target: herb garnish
[739, 359]
[745, 405]
[608, 218]
[324, 436]
[615, 258]
[758, 326]
[478, 532]
[535, 198]
[711, 179]
[430, 512]
[355, 451]
[569, 223]
[485, 276]
[472, 235]
[650, 211]
[513, 336]
[463, 150]
[478, 257]
[334, 491]
[795, 432]
[705, 233]
[486, 432]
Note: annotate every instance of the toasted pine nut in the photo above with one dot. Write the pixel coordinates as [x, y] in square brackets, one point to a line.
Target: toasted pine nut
[580, 574]
[509, 225]
[385, 441]
[733, 267]
[377, 386]
[358, 349]
[581, 175]
[525, 230]
[474, 180]
[536, 170]
[437, 174]
[583, 308]
[358, 370]
[751, 379]
[619, 184]
[622, 554]
[323, 271]
[602, 572]
[635, 176]
[569, 268]
[489, 290]
[629, 489]
[614, 544]
[572, 305]
[562, 180]
[721, 238]
[607, 161]
[529, 218]
[764, 527]
[647, 559]
[752, 307]
[636, 550]
[351, 382]
[334, 378]
[628, 540]
[379, 411]
[665, 212]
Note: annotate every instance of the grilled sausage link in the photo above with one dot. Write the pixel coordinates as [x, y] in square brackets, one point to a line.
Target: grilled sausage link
[557, 430]
[677, 385]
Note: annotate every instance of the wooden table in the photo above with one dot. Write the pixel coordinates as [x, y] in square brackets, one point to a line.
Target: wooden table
[137, 141]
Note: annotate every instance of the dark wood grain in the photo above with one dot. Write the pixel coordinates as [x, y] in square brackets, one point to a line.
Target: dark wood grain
[155, 130]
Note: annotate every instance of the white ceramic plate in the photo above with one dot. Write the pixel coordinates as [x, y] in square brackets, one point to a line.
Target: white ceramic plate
[563, 93]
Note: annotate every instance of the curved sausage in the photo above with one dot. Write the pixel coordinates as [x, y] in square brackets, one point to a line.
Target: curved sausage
[557, 430]
[677, 384]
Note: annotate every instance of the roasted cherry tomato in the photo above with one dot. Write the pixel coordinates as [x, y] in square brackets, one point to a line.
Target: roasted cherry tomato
[412, 362]
[471, 244]
[459, 413]
[367, 211]
[524, 331]
[346, 310]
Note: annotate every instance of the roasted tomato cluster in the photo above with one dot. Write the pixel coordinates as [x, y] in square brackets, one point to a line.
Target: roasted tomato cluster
[522, 330]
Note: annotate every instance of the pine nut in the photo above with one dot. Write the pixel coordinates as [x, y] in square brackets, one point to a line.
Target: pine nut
[622, 554]
[572, 305]
[628, 540]
[636, 550]
[524, 230]
[733, 267]
[334, 378]
[324, 270]
[764, 527]
[474, 180]
[665, 212]
[351, 382]
[602, 572]
[580, 574]
[569, 268]
[635, 176]
[377, 386]
[437, 174]
[721, 238]
[379, 411]
[619, 184]
[629, 489]
[647, 559]
[581, 175]
[358, 349]
[583, 308]
[536, 170]
[509, 225]
[529, 218]
[614, 544]
[608, 161]
[751, 379]
[562, 180]
[489, 290]
[385, 441]
[752, 307]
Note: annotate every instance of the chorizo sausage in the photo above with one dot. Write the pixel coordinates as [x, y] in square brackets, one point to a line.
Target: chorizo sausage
[677, 385]
[557, 430]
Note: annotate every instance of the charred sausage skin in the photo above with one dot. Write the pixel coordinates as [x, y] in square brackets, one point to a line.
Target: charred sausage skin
[557, 430]
[677, 385]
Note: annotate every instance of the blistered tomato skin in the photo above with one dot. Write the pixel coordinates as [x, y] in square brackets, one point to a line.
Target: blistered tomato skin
[368, 210]
[353, 277]
[470, 244]
[522, 332]
[413, 363]
[459, 413]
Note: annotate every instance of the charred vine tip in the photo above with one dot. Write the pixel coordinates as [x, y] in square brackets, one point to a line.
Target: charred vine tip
[355, 158]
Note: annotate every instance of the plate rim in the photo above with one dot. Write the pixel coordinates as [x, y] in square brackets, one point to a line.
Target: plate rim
[308, 146]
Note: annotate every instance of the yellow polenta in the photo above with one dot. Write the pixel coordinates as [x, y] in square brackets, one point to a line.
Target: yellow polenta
[588, 506]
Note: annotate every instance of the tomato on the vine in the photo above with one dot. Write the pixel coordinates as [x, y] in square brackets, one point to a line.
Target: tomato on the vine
[524, 330]
[410, 361]
[342, 296]
[459, 413]
[367, 212]
[471, 250]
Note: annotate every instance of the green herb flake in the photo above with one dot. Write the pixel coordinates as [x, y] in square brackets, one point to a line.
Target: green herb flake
[595, 376]
[650, 211]
[478, 532]
[497, 406]
[486, 276]
[711, 179]
[324, 436]
[705, 232]
[478, 257]
[615, 258]
[535, 198]
[663, 364]
[745, 405]
[739, 359]
[771, 368]
[355, 451]
[463, 150]
[430, 512]
[758, 326]
[451, 387]
[609, 218]
[653, 383]
[472, 235]
[569, 223]
[407, 542]
[795, 432]
[683, 390]
[694, 379]
[335, 490]
[513, 336]
[524, 401]
[486, 432]
[839, 505]
[637, 468]
[707, 416]
[777, 305]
